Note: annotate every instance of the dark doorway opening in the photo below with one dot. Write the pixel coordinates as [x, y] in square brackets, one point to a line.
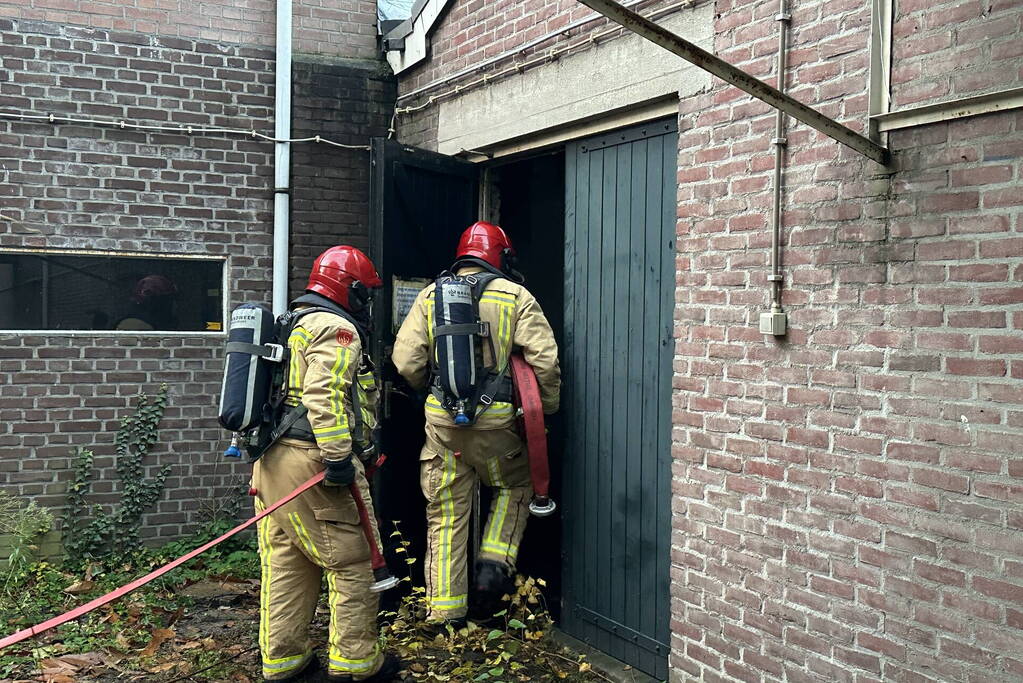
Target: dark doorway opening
[594, 226]
[422, 201]
[530, 206]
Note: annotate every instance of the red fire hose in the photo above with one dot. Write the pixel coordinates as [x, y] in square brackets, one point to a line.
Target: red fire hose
[531, 422]
[138, 583]
[382, 578]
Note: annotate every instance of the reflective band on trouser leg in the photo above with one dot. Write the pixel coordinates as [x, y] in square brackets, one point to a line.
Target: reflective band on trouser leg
[448, 603]
[492, 543]
[303, 537]
[287, 598]
[265, 576]
[285, 666]
[507, 520]
[354, 648]
[446, 590]
[440, 598]
[447, 526]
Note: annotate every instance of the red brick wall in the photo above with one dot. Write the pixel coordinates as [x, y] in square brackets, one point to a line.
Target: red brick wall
[471, 32]
[330, 27]
[955, 48]
[849, 496]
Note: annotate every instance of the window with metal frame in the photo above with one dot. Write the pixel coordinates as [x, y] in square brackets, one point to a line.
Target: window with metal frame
[93, 291]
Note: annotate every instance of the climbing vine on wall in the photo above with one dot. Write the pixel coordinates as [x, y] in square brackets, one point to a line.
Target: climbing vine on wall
[93, 532]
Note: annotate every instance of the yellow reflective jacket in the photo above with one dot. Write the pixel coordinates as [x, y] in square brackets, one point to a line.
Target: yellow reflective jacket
[516, 322]
[326, 358]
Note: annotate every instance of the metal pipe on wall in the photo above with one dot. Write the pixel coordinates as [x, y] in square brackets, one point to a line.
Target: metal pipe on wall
[282, 157]
[775, 321]
[783, 17]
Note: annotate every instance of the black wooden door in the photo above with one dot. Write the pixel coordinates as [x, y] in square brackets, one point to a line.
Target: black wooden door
[619, 293]
[420, 203]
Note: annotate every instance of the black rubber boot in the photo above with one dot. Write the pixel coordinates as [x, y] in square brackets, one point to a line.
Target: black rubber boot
[493, 580]
[388, 670]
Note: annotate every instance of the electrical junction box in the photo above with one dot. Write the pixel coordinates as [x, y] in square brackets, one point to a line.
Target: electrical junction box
[773, 323]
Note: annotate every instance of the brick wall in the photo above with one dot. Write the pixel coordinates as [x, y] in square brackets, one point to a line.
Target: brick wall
[848, 496]
[330, 27]
[349, 102]
[471, 32]
[950, 49]
[87, 187]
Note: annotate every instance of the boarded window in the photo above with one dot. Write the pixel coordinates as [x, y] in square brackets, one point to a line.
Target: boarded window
[95, 291]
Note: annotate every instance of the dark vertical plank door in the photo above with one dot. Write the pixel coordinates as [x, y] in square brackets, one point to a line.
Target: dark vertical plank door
[619, 294]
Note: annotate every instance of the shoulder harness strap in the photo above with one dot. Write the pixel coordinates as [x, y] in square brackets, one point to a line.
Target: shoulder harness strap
[286, 323]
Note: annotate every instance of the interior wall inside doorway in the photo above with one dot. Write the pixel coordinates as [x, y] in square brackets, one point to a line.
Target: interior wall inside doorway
[529, 203]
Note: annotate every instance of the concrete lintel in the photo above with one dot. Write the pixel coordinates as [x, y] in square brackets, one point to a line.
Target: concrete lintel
[627, 74]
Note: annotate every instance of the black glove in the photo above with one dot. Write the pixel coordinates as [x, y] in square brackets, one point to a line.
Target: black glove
[339, 472]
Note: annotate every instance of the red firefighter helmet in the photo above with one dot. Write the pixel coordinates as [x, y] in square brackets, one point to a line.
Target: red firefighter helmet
[340, 272]
[486, 242]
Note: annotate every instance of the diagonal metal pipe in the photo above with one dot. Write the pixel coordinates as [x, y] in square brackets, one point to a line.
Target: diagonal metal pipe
[740, 79]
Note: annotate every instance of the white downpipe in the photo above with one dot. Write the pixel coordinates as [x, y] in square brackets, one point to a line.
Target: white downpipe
[282, 157]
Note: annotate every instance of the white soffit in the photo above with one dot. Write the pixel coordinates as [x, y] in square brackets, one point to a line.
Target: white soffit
[424, 16]
[614, 75]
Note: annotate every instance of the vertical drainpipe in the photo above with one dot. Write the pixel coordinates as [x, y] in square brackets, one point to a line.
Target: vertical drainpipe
[775, 321]
[282, 157]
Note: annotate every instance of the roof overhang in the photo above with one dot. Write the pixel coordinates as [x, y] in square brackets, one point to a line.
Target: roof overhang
[408, 43]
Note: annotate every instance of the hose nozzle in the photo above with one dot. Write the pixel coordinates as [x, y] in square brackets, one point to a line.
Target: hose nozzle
[542, 506]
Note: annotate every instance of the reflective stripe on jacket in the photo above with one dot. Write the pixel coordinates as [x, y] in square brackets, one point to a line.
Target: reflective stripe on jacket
[326, 357]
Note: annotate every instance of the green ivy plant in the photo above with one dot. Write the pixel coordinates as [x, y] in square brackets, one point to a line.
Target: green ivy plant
[93, 533]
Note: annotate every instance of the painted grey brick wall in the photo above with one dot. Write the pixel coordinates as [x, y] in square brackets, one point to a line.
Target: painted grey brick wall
[86, 187]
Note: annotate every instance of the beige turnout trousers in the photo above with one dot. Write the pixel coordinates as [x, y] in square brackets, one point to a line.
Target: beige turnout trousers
[452, 461]
[315, 536]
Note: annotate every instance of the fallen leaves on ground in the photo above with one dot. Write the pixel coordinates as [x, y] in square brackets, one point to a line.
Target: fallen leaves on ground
[160, 636]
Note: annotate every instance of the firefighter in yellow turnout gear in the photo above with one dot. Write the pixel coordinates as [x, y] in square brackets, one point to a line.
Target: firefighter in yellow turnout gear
[318, 536]
[490, 450]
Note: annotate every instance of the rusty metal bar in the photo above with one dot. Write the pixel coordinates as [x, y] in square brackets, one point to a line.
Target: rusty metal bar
[739, 78]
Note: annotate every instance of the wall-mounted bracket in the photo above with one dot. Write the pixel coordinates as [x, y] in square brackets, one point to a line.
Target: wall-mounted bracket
[740, 79]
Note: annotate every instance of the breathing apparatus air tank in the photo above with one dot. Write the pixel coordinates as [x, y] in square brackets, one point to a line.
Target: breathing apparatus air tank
[249, 368]
[458, 345]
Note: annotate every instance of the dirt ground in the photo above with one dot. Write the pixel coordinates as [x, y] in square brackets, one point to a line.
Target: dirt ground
[215, 640]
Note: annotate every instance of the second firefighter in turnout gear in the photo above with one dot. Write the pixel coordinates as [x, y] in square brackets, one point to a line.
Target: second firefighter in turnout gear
[330, 397]
[485, 445]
